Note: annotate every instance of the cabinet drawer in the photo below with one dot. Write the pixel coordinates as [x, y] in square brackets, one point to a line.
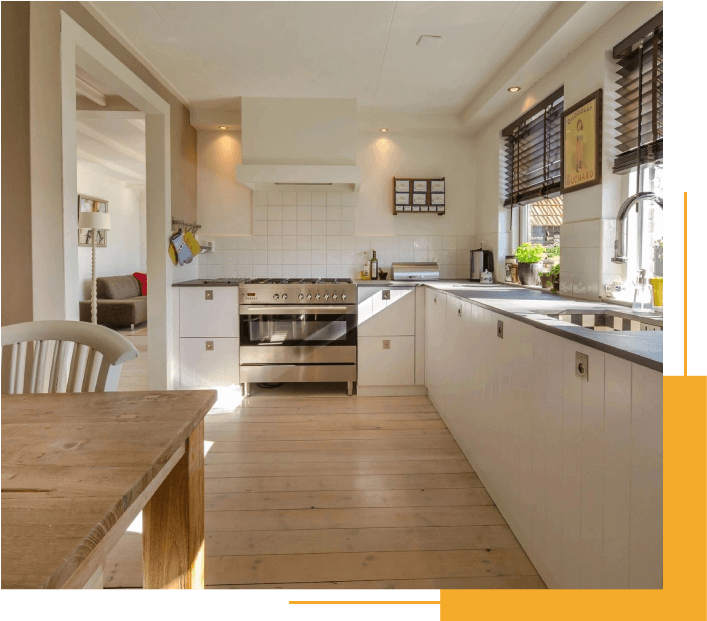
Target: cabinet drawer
[208, 362]
[386, 367]
[208, 312]
[380, 316]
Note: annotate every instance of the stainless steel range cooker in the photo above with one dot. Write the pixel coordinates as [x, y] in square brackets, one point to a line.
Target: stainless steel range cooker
[298, 330]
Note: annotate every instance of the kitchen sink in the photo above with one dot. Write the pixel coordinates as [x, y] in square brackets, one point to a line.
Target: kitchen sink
[610, 322]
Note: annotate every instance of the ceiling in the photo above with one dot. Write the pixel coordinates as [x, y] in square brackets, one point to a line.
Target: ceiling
[210, 53]
[114, 145]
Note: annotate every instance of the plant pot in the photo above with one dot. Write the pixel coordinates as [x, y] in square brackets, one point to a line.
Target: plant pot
[528, 273]
[546, 280]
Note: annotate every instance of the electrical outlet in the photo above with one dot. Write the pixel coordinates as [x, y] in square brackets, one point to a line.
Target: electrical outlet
[386, 344]
[209, 346]
[386, 294]
[208, 294]
[499, 329]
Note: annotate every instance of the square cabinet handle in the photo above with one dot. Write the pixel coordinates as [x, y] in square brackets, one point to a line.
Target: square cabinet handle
[208, 294]
[209, 346]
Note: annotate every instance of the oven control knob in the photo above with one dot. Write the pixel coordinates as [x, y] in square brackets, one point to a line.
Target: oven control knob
[301, 296]
[326, 296]
[309, 296]
[335, 297]
[318, 297]
[343, 296]
[284, 296]
[276, 297]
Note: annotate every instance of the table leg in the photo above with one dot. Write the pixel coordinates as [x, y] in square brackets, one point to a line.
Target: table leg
[173, 524]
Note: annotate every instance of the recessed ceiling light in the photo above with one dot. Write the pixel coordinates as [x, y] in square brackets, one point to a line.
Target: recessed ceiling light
[383, 129]
[429, 41]
[514, 89]
[222, 127]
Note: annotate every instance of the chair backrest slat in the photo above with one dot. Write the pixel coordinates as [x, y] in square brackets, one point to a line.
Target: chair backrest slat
[64, 356]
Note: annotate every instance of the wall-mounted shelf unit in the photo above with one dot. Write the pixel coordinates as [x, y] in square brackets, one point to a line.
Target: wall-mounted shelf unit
[419, 196]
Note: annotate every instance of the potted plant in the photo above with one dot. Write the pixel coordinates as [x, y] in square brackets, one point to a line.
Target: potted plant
[545, 280]
[555, 275]
[529, 256]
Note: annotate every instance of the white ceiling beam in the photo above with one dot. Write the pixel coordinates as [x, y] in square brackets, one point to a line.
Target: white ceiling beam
[139, 123]
[130, 115]
[90, 157]
[91, 92]
[109, 142]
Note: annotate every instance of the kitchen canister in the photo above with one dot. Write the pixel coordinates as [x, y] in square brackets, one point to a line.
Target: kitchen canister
[486, 277]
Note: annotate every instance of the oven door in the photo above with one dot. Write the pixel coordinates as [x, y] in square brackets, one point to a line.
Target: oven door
[298, 334]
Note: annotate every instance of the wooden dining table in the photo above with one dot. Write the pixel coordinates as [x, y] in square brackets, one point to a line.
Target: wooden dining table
[78, 468]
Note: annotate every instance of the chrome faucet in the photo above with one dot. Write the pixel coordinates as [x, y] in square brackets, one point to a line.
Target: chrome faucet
[621, 241]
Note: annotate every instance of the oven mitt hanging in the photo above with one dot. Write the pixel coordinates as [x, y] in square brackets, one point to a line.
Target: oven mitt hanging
[190, 241]
[181, 250]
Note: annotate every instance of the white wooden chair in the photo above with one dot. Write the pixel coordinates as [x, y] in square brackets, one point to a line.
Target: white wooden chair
[62, 356]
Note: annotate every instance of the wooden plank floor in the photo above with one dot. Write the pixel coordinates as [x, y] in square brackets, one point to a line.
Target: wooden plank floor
[343, 492]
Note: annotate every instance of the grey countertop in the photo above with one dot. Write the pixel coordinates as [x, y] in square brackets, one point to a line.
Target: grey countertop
[202, 282]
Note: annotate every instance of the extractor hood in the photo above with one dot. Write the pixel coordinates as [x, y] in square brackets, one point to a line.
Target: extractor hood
[299, 176]
[304, 144]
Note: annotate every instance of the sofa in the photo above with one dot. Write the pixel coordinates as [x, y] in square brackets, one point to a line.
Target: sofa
[119, 302]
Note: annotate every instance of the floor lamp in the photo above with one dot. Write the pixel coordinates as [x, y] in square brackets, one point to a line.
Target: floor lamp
[96, 221]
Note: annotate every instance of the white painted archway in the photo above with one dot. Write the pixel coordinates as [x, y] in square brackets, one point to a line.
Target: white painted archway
[79, 48]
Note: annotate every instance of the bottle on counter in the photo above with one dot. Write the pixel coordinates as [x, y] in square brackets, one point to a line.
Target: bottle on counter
[374, 267]
[366, 272]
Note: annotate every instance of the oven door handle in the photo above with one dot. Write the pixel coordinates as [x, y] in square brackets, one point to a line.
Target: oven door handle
[298, 310]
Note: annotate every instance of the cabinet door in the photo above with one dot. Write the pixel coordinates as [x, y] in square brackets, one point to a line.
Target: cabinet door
[378, 316]
[435, 346]
[211, 312]
[391, 366]
[454, 354]
[208, 363]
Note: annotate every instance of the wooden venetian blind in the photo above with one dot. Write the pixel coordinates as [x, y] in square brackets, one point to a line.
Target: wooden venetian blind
[531, 164]
[646, 80]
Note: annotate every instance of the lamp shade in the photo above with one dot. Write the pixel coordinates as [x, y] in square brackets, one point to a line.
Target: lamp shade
[94, 220]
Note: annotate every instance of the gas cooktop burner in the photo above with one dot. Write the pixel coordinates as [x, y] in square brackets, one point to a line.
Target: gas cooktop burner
[301, 281]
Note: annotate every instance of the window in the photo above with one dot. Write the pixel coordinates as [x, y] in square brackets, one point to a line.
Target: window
[531, 166]
[642, 95]
[540, 222]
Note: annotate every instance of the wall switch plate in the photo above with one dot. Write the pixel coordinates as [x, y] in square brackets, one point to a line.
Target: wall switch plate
[209, 346]
[386, 294]
[386, 344]
[581, 366]
[208, 294]
[499, 329]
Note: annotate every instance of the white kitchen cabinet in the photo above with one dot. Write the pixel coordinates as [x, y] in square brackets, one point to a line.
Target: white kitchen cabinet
[435, 347]
[208, 312]
[386, 311]
[208, 362]
[386, 360]
[574, 466]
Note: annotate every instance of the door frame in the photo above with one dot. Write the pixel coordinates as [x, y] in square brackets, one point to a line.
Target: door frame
[80, 48]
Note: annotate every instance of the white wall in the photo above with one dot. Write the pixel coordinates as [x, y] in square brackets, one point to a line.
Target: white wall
[123, 254]
[224, 206]
[588, 213]
[310, 234]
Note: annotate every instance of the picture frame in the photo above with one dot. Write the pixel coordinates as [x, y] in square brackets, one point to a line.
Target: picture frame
[437, 185]
[418, 195]
[418, 198]
[437, 199]
[92, 203]
[420, 185]
[402, 185]
[416, 207]
[581, 144]
[402, 198]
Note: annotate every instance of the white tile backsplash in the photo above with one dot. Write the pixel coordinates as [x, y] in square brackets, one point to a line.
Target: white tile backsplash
[313, 234]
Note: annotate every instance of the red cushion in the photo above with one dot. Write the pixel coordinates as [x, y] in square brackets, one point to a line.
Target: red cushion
[142, 279]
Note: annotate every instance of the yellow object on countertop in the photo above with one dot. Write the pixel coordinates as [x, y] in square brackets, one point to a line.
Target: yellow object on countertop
[657, 284]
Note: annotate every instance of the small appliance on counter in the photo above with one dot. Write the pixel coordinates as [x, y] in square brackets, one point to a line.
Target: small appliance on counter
[481, 261]
[414, 271]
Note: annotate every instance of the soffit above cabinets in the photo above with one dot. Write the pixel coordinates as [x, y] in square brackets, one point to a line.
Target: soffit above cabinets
[217, 51]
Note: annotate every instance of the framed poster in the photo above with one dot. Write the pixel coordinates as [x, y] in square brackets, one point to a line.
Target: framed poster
[581, 144]
[420, 186]
[402, 198]
[419, 199]
[437, 185]
[402, 185]
[91, 203]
